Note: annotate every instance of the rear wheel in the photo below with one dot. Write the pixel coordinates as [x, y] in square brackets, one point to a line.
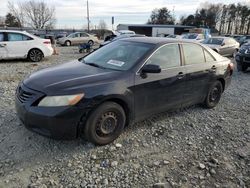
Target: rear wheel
[67, 43]
[105, 123]
[35, 55]
[214, 95]
[91, 42]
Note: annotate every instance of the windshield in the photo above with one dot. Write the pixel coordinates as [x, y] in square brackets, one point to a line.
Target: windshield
[216, 41]
[118, 55]
[190, 36]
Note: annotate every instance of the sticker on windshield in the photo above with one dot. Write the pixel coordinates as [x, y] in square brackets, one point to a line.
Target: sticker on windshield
[116, 63]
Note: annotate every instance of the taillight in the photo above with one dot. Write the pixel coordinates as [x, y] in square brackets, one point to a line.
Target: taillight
[231, 68]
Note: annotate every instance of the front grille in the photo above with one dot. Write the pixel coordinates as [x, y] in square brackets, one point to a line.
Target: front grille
[24, 96]
[247, 59]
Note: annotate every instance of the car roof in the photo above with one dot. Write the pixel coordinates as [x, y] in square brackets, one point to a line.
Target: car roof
[13, 31]
[218, 37]
[156, 40]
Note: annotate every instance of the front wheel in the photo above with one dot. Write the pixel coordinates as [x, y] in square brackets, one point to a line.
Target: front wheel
[35, 55]
[105, 123]
[214, 95]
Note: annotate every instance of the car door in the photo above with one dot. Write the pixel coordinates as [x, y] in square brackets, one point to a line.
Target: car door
[3, 49]
[199, 72]
[84, 37]
[157, 92]
[76, 39]
[228, 47]
[17, 45]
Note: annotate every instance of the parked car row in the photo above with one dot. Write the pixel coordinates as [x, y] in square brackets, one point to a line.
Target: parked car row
[242, 39]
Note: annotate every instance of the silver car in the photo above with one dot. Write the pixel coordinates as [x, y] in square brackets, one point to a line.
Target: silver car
[78, 38]
[225, 46]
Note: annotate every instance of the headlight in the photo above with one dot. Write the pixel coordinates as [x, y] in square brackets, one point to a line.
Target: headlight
[66, 100]
[247, 51]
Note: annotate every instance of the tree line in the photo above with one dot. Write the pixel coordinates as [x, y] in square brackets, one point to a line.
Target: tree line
[227, 19]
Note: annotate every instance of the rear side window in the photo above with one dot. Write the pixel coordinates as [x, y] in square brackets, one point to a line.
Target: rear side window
[1, 37]
[208, 56]
[83, 35]
[166, 57]
[18, 37]
[193, 54]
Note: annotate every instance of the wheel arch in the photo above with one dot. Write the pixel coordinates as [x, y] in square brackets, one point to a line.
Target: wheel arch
[35, 48]
[223, 82]
[117, 99]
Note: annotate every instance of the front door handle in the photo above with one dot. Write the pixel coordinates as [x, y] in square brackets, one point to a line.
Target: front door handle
[2, 45]
[180, 75]
[213, 68]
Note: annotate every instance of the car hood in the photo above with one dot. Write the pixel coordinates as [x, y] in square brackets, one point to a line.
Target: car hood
[68, 77]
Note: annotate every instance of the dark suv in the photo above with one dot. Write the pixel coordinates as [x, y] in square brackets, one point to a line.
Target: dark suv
[243, 57]
[123, 82]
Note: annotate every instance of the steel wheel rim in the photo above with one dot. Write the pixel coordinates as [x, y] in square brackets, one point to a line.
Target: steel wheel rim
[107, 124]
[35, 55]
[214, 94]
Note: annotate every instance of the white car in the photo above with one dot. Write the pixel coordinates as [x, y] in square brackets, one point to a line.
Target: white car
[20, 44]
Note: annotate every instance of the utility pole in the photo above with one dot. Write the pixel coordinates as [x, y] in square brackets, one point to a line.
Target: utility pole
[88, 14]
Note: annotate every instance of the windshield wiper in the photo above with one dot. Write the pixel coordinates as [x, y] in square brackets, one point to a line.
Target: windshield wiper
[95, 65]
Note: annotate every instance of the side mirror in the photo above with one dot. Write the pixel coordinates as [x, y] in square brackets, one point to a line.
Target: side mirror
[223, 44]
[150, 68]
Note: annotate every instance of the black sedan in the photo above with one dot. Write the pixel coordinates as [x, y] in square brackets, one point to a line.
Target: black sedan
[243, 57]
[120, 83]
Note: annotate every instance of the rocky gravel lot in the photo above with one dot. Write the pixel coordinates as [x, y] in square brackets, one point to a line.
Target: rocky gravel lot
[192, 147]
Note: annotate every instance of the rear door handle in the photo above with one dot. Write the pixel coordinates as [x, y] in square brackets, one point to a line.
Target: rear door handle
[180, 75]
[2, 45]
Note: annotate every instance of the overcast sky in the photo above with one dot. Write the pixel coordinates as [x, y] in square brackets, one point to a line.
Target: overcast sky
[72, 13]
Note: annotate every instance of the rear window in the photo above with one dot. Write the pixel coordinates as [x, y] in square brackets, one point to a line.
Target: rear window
[193, 54]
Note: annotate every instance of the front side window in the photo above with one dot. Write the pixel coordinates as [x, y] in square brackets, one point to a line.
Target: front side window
[193, 54]
[118, 55]
[18, 37]
[166, 57]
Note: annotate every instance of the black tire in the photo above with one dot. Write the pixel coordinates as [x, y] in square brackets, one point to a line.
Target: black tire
[105, 123]
[67, 43]
[35, 55]
[214, 95]
[91, 42]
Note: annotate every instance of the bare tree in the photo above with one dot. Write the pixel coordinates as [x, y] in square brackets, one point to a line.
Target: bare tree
[36, 14]
[102, 25]
[17, 12]
[2, 21]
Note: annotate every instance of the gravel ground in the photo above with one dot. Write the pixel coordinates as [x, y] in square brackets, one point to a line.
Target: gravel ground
[193, 147]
